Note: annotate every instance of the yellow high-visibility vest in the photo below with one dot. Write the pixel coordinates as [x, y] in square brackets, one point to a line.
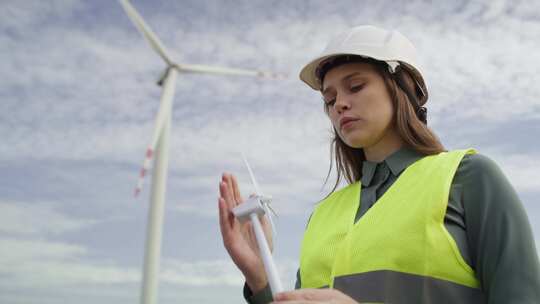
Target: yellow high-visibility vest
[399, 251]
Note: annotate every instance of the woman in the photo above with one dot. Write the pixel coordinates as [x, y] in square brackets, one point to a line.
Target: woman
[416, 224]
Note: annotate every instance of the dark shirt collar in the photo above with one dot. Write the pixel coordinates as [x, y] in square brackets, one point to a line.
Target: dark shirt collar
[396, 162]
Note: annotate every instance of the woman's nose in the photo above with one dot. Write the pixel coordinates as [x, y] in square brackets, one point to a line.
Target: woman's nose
[342, 103]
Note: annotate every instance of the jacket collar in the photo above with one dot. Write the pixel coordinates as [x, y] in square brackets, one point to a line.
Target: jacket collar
[396, 162]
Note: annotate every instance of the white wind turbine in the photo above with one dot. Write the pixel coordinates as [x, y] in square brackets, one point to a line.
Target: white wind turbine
[159, 147]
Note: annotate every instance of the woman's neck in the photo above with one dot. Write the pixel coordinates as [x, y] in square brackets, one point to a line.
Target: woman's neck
[389, 144]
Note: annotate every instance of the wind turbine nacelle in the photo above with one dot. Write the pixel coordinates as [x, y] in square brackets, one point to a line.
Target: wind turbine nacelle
[253, 205]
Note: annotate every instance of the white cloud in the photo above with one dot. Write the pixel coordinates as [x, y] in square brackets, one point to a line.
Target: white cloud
[22, 251]
[199, 273]
[37, 219]
[39, 263]
[522, 171]
[474, 73]
[21, 15]
[217, 272]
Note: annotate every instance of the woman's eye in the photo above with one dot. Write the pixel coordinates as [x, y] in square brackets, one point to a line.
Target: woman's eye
[329, 102]
[356, 88]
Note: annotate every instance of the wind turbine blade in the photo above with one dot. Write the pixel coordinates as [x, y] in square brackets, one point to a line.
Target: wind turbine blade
[164, 111]
[196, 68]
[257, 189]
[146, 31]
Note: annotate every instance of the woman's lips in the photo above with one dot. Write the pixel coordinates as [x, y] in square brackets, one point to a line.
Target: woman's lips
[347, 122]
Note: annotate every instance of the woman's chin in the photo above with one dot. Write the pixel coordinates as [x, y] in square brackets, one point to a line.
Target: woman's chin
[360, 138]
[354, 138]
[354, 143]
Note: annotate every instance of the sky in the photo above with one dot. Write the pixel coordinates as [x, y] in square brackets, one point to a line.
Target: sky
[78, 98]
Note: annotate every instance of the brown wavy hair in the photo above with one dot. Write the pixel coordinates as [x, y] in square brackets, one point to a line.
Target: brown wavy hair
[414, 132]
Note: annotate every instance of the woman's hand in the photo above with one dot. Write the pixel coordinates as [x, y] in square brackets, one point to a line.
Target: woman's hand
[313, 296]
[239, 238]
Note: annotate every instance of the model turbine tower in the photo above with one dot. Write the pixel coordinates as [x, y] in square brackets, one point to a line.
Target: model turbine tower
[158, 150]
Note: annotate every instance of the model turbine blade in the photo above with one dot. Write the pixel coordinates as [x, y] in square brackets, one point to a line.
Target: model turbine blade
[196, 68]
[164, 112]
[146, 31]
[265, 199]
[267, 210]
[257, 189]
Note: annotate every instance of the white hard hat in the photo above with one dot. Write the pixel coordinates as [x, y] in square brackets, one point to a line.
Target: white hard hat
[372, 42]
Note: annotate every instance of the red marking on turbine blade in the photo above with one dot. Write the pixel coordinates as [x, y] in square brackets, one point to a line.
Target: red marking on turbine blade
[149, 153]
[137, 191]
[143, 172]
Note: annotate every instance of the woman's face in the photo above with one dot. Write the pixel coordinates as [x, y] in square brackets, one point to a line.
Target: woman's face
[358, 104]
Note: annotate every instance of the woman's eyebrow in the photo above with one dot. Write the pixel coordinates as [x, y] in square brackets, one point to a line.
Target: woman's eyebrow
[351, 75]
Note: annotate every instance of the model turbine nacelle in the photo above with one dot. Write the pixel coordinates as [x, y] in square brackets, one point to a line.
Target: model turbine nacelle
[254, 205]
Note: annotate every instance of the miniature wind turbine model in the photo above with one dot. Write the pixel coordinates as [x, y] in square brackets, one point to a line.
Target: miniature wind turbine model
[255, 206]
[159, 146]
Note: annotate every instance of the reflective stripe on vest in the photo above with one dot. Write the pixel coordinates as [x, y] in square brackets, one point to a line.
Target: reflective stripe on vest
[386, 286]
[400, 241]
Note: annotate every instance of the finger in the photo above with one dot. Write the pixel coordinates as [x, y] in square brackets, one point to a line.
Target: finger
[227, 196]
[224, 223]
[230, 188]
[265, 222]
[227, 193]
[222, 190]
[236, 190]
